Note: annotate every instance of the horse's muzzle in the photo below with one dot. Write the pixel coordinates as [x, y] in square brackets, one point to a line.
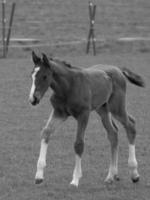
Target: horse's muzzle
[34, 101]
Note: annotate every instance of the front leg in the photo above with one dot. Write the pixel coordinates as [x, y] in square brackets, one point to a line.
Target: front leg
[79, 147]
[52, 123]
[41, 164]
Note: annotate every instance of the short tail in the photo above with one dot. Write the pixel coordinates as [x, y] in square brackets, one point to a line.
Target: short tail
[133, 77]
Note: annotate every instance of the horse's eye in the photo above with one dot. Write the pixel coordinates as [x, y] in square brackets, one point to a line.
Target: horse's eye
[44, 77]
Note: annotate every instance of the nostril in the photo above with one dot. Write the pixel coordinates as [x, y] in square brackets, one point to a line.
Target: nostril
[35, 101]
[34, 98]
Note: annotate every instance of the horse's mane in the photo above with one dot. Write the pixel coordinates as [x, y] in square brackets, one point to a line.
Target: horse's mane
[61, 62]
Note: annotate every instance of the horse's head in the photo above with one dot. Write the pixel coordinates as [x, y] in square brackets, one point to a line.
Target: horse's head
[41, 78]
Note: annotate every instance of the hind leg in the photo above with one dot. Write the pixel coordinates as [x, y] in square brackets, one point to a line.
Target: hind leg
[129, 124]
[120, 113]
[112, 132]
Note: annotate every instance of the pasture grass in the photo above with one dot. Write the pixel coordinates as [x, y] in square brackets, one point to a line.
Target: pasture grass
[21, 124]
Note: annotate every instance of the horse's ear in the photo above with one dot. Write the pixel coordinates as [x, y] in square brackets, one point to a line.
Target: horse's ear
[45, 60]
[35, 58]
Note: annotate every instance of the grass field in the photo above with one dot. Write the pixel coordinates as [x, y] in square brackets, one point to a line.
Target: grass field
[20, 139]
[20, 123]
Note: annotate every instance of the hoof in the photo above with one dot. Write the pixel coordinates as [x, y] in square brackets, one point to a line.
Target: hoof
[110, 180]
[38, 181]
[74, 183]
[136, 179]
[117, 178]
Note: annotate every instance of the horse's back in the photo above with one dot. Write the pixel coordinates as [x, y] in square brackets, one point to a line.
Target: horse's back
[108, 69]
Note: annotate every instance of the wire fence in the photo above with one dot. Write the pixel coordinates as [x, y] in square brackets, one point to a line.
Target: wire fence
[60, 22]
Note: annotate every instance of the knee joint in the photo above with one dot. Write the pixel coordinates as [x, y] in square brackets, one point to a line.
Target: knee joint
[79, 147]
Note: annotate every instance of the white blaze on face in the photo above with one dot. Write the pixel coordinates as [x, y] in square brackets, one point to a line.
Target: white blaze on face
[31, 96]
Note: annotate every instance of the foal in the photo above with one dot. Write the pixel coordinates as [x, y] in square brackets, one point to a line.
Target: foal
[76, 92]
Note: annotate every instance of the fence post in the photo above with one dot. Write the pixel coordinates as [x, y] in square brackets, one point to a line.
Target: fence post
[5, 41]
[3, 28]
[91, 35]
[10, 26]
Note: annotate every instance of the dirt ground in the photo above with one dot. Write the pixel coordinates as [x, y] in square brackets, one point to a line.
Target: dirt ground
[20, 123]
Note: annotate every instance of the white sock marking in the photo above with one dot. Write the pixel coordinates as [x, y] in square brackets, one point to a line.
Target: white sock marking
[41, 164]
[132, 162]
[77, 173]
[132, 157]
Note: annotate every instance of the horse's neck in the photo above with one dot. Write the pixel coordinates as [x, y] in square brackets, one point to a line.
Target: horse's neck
[60, 81]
